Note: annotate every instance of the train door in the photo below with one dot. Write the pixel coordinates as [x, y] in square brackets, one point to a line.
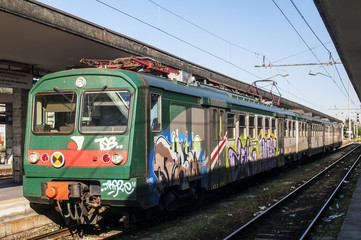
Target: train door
[281, 137]
[218, 148]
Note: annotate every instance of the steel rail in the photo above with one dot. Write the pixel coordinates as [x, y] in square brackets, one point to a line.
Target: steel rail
[58, 233]
[329, 200]
[248, 224]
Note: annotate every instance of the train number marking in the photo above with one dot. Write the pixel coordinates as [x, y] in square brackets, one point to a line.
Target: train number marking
[113, 187]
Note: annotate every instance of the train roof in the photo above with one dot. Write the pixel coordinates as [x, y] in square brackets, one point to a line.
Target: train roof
[209, 95]
[222, 98]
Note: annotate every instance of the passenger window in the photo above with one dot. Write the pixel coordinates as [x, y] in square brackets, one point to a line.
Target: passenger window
[252, 130]
[274, 127]
[286, 128]
[290, 131]
[242, 125]
[312, 130]
[294, 128]
[259, 125]
[267, 126]
[155, 112]
[231, 126]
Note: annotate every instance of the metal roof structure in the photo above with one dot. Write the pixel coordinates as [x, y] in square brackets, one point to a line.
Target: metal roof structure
[39, 39]
[342, 19]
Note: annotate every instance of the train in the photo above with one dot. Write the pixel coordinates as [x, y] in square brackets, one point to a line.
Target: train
[102, 139]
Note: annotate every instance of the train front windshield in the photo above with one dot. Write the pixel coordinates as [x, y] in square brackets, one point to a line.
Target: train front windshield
[101, 112]
[105, 112]
[54, 113]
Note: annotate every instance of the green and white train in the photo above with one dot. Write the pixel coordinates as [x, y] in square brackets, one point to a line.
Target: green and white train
[99, 140]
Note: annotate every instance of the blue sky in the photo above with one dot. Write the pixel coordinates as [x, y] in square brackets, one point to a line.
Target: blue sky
[249, 31]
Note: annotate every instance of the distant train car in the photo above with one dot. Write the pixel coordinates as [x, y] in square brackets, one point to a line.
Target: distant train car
[99, 140]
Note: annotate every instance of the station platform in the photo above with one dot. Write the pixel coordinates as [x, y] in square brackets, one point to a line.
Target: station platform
[351, 227]
[16, 214]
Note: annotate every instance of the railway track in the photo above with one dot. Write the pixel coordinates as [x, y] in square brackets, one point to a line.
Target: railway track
[58, 234]
[294, 216]
[79, 232]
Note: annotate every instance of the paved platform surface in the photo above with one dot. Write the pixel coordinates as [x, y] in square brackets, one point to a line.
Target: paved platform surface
[351, 227]
[8, 189]
[16, 214]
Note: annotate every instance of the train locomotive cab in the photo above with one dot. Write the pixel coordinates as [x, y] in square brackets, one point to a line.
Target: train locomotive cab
[77, 151]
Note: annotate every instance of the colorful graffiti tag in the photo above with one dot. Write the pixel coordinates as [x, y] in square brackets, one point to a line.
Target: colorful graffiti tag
[175, 158]
[240, 159]
[250, 157]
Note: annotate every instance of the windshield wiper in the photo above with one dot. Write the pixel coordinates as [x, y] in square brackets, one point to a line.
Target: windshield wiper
[66, 97]
[96, 96]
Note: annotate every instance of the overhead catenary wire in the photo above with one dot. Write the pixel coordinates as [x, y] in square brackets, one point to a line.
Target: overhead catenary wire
[205, 30]
[179, 39]
[304, 41]
[298, 53]
[308, 101]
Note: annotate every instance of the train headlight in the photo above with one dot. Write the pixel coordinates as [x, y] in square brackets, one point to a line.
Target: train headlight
[80, 82]
[34, 157]
[106, 158]
[117, 158]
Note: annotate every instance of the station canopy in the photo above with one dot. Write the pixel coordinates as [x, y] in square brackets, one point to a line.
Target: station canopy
[342, 20]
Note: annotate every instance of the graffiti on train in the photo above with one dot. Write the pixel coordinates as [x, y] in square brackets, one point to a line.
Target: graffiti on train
[176, 158]
[249, 157]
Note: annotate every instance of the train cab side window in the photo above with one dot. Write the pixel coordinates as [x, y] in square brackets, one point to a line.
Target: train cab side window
[252, 130]
[231, 126]
[242, 125]
[155, 112]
